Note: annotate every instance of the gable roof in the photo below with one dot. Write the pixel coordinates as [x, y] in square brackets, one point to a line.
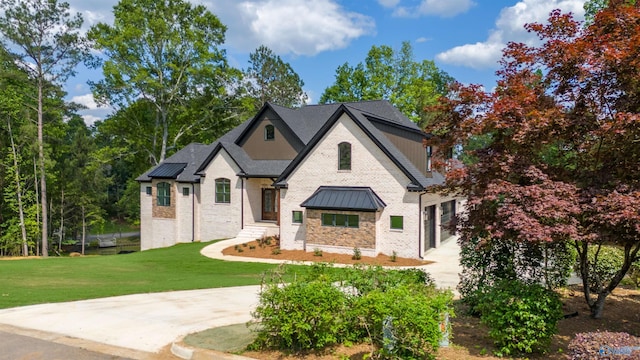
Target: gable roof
[309, 124]
[418, 180]
[344, 198]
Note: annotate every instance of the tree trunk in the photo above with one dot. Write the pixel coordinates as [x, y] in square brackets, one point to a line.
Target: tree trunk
[598, 305]
[61, 220]
[23, 229]
[84, 228]
[35, 185]
[165, 135]
[43, 179]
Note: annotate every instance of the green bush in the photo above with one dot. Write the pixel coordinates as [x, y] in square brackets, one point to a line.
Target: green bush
[412, 315]
[486, 262]
[326, 307]
[521, 317]
[300, 316]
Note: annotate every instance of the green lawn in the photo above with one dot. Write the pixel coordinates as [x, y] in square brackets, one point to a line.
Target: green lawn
[181, 267]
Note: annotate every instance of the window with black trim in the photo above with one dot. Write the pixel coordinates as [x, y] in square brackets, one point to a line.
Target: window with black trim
[340, 220]
[149, 190]
[296, 217]
[397, 222]
[344, 156]
[223, 191]
[269, 133]
[163, 194]
[185, 191]
[429, 157]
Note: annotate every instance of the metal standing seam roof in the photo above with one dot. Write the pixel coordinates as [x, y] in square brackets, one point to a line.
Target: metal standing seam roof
[168, 170]
[344, 198]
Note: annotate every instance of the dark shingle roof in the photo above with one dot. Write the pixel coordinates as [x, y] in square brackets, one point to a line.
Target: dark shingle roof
[309, 123]
[344, 198]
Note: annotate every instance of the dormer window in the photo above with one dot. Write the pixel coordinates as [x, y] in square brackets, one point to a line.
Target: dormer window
[344, 156]
[269, 133]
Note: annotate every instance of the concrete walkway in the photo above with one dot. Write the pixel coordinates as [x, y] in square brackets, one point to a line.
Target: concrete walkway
[135, 326]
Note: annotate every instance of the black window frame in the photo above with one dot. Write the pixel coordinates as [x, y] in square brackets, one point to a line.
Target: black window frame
[392, 217]
[340, 220]
[163, 194]
[185, 191]
[294, 218]
[224, 196]
[149, 190]
[269, 133]
[344, 156]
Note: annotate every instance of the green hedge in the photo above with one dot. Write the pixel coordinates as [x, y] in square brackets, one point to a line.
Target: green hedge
[357, 305]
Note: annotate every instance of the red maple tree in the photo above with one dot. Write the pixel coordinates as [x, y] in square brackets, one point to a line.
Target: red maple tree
[553, 153]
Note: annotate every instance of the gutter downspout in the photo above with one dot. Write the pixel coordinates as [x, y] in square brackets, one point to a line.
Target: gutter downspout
[420, 225]
[193, 212]
[241, 203]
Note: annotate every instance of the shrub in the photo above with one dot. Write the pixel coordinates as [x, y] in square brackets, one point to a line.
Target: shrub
[609, 345]
[300, 316]
[276, 251]
[324, 307]
[411, 313]
[357, 254]
[521, 317]
[317, 252]
[634, 273]
[486, 262]
[394, 257]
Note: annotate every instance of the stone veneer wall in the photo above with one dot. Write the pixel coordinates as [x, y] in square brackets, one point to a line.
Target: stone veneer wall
[363, 237]
[167, 212]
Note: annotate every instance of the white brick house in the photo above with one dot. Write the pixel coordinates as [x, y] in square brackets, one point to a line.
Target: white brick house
[330, 177]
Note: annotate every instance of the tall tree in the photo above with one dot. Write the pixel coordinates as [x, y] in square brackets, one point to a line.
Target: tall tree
[560, 160]
[50, 46]
[164, 52]
[394, 76]
[268, 78]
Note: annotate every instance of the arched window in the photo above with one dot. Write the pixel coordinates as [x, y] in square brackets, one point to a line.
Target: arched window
[269, 133]
[164, 194]
[223, 191]
[344, 156]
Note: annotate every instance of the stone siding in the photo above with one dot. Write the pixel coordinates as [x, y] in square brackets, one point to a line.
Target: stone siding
[363, 237]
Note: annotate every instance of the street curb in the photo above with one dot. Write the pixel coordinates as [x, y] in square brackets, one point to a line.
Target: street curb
[186, 352]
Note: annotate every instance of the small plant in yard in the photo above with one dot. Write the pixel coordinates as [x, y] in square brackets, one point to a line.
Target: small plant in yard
[252, 247]
[276, 251]
[317, 252]
[521, 317]
[394, 256]
[244, 244]
[357, 254]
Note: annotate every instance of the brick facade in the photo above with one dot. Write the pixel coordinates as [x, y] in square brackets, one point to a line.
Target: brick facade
[363, 237]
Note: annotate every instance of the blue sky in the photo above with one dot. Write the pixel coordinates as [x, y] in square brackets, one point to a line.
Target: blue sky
[463, 37]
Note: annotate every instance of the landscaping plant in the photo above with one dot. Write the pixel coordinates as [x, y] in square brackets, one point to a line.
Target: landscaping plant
[521, 317]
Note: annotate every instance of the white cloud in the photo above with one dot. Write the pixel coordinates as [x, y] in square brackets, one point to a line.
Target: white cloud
[86, 100]
[389, 3]
[297, 27]
[440, 8]
[90, 119]
[509, 27]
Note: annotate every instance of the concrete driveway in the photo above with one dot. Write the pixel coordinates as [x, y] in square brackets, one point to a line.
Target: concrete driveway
[146, 323]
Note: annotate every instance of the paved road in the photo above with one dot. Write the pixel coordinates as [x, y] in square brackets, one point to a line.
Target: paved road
[43, 347]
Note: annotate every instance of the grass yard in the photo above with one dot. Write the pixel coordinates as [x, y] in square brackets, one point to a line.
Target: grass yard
[181, 267]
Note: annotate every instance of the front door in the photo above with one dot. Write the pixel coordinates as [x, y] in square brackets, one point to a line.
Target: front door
[429, 227]
[269, 204]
